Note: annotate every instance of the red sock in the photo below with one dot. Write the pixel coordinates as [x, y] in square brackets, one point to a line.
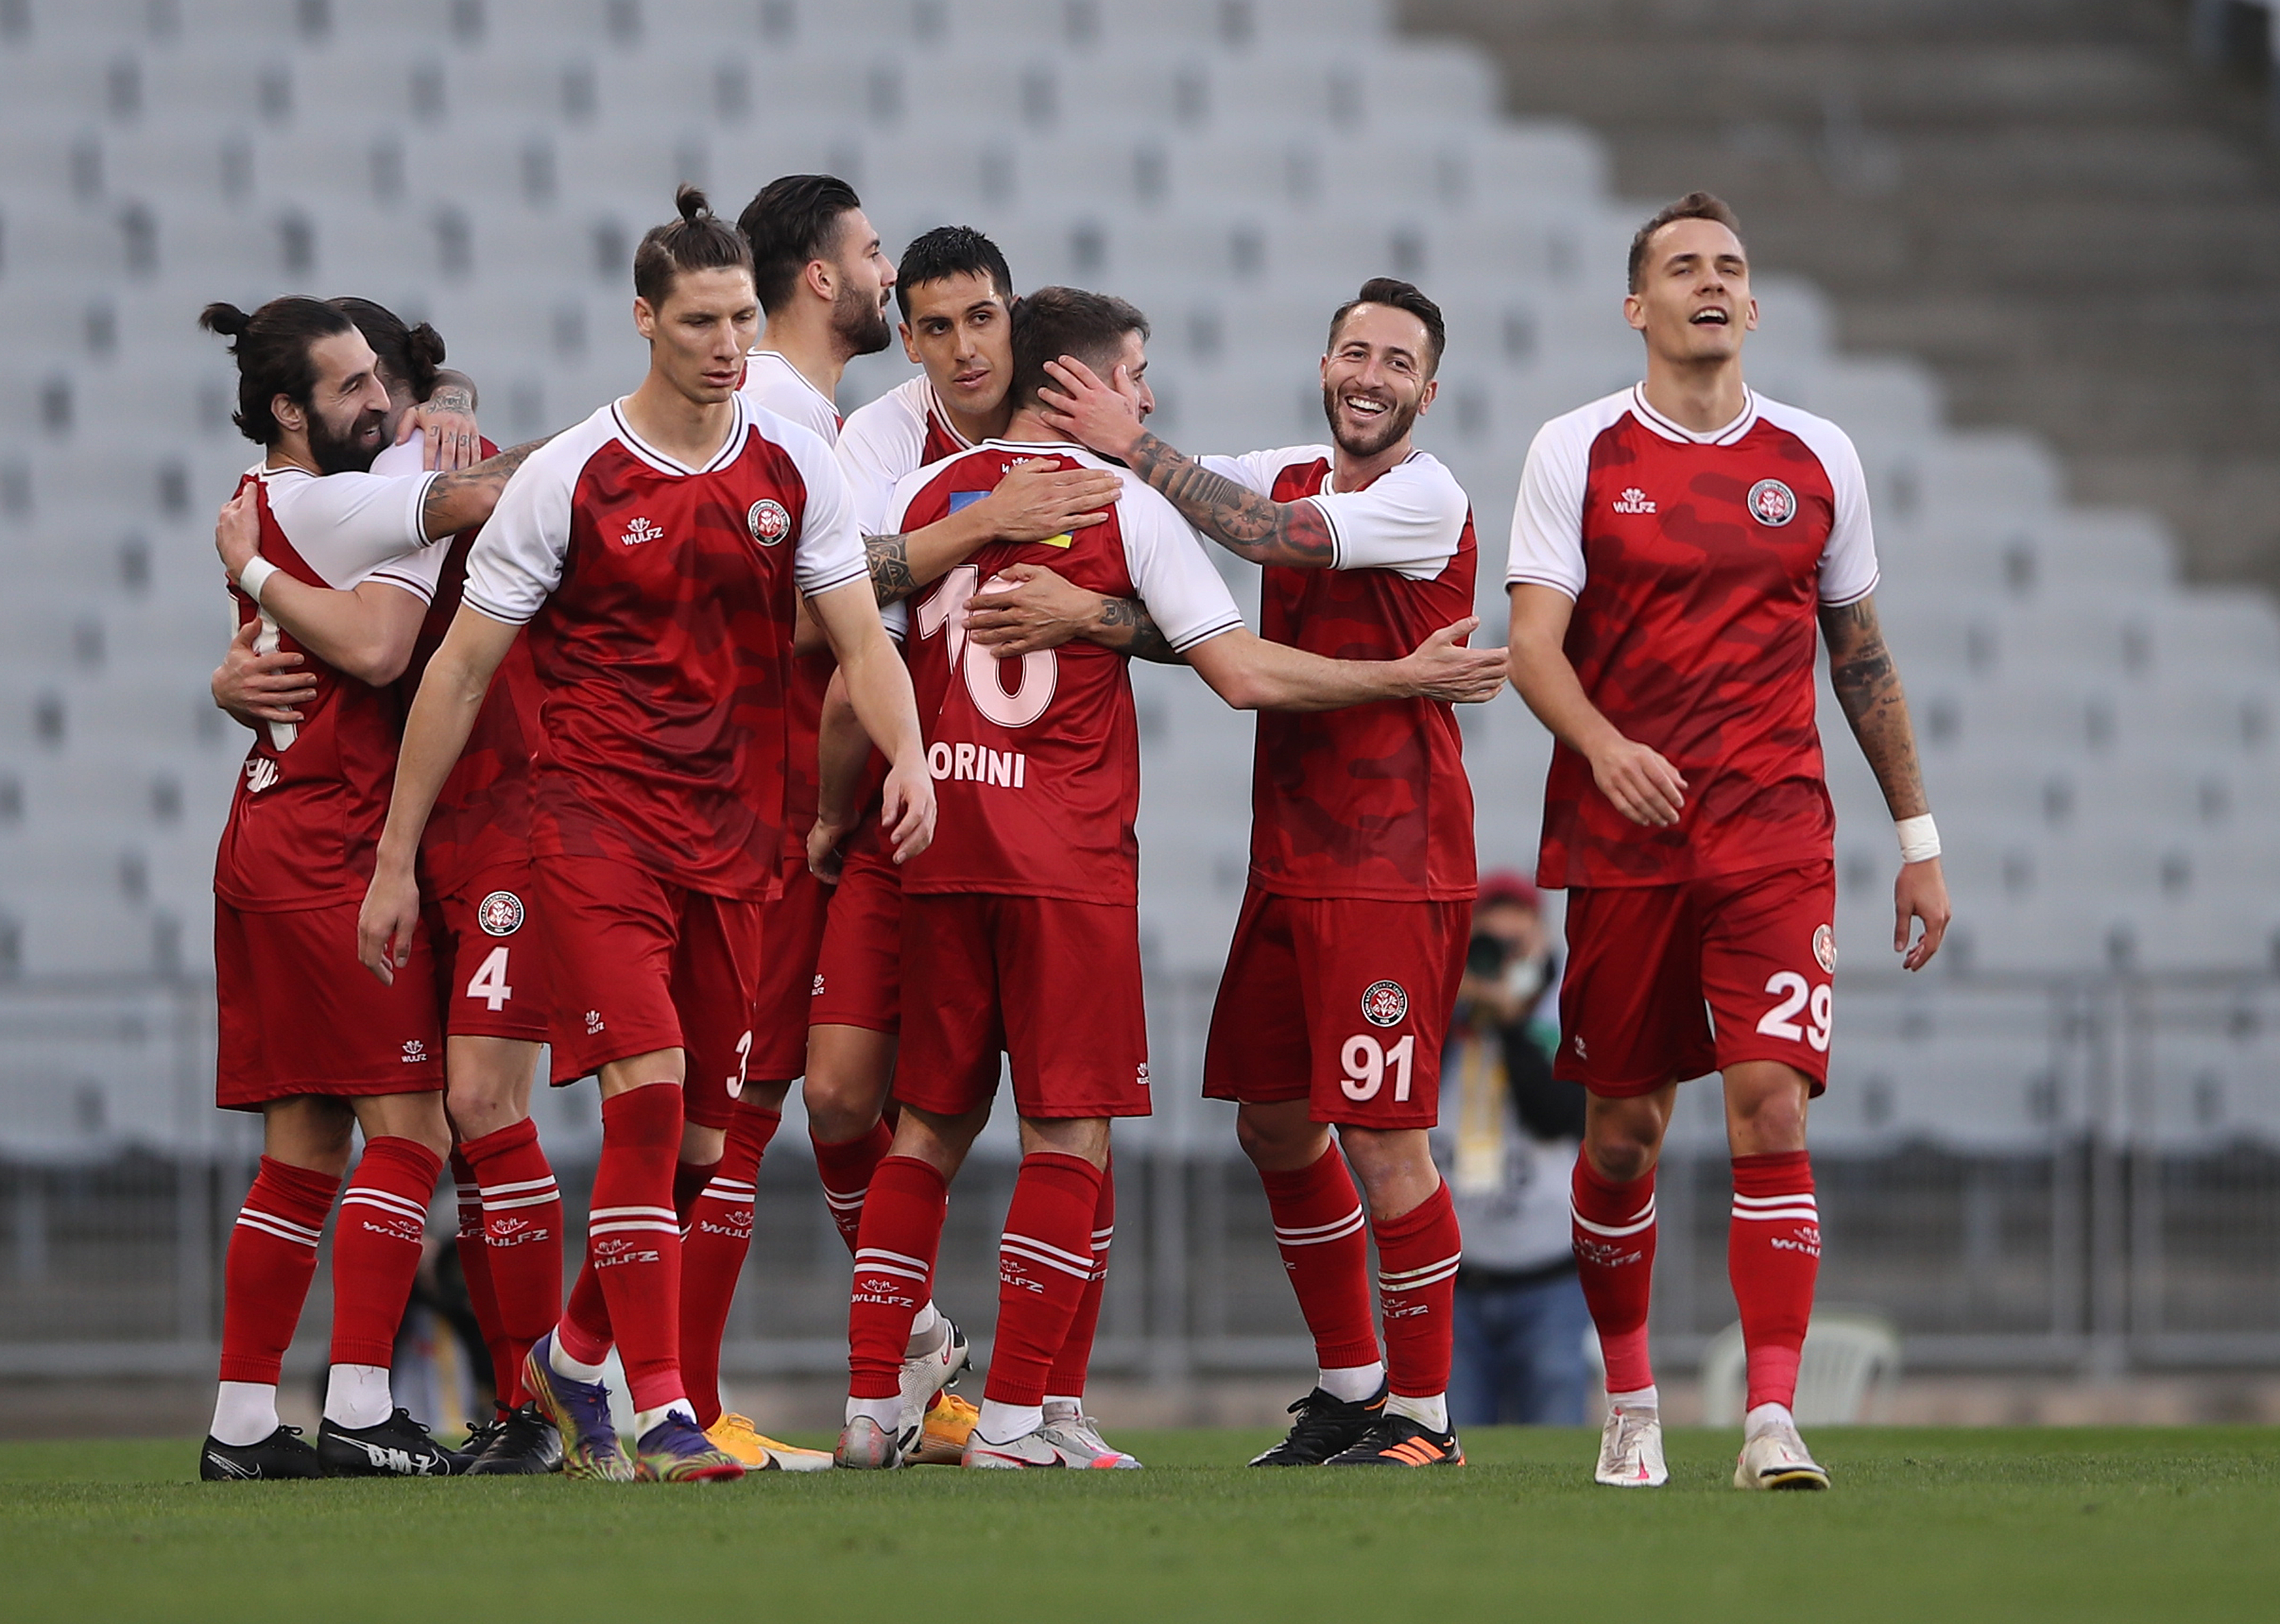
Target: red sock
[1318, 1229]
[522, 1228]
[1772, 1256]
[712, 1249]
[475, 1269]
[273, 1258]
[633, 1239]
[376, 1247]
[688, 1182]
[1074, 1360]
[1045, 1260]
[1614, 1259]
[584, 1333]
[894, 1270]
[1417, 1258]
[846, 1171]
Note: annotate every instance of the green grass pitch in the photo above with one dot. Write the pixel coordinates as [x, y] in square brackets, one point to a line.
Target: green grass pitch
[2140, 1524]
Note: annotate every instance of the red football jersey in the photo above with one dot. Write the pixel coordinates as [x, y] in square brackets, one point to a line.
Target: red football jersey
[660, 599]
[1037, 761]
[1698, 563]
[1372, 801]
[306, 819]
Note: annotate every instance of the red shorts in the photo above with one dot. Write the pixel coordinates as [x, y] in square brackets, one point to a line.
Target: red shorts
[1669, 981]
[793, 929]
[858, 974]
[299, 1015]
[1055, 985]
[1340, 1002]
[487, 953]
[637, 964]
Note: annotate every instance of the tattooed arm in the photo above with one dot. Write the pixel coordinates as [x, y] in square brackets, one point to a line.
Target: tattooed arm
[455, 501]
[1868, 686]
[1041, 610]
[1035, 501]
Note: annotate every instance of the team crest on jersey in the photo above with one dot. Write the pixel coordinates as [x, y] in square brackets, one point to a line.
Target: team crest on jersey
[1772, 503]
[767, 521]
[640, 530]
[1824, 950]
[1383, 1003]
[1634, 501]
[500, 914]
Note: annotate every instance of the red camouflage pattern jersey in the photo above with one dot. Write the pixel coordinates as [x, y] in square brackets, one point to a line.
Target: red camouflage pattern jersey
[304, 821]
[1698, 564]
[661, 601]
[1371, 801]
[1037, 761]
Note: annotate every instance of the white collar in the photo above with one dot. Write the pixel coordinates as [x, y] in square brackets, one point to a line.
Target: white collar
[1671, 430]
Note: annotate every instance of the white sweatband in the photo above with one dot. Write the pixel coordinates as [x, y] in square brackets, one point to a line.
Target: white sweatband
[1918, 838]
[255, 576]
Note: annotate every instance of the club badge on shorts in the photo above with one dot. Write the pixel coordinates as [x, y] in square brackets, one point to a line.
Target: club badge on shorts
[1383, 1003]
[1772, 503]
[500, 914]
[1824, 950]
[767, 521]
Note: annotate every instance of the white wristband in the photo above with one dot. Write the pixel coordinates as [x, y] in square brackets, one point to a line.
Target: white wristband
[255, 576]
[1918, 838]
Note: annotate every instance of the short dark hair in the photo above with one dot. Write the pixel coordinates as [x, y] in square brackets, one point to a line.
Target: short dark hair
[1401, 296]
[1053, 322]
[698, 240]
[947, 251]
[1694, 206]
[793, 222]
[409, 356]
[272, 350]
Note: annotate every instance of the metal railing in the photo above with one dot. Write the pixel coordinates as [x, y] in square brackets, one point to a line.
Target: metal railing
[2126, 1226]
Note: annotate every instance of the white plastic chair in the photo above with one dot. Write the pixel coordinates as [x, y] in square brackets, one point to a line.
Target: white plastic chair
[1848, 1357]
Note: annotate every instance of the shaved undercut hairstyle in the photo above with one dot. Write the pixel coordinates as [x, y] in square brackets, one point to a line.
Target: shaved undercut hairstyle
[1053, 322]
[698, 240]
[795, 221]
[947, 251]
[272, 350]
[1694, 206]
[408, 355]
[1398, 295]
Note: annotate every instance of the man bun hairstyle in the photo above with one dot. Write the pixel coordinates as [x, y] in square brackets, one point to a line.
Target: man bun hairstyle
[1694, 206]
[698, 240]
[408, 355]
[272, 348]
[793, 222]
[947, 251]
[1393, 292]
[1053, 322]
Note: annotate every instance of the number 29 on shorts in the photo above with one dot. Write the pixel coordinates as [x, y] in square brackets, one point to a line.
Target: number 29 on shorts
[1796, 995]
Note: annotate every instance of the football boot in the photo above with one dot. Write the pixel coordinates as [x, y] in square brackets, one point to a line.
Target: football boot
[281, 1454]
[1325, 1426]
[1397, 1441]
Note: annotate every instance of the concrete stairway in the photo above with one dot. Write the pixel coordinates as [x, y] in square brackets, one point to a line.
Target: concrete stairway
[2045, 200]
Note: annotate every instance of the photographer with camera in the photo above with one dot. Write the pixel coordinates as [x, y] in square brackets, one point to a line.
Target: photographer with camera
[1506, 1143]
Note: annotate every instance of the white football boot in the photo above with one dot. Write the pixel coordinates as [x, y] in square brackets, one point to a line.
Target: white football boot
[1773, 1456]
[925, 1375]
[1031, 1448]
[866, 1446]
[1631, 1448]
[1078, 1439]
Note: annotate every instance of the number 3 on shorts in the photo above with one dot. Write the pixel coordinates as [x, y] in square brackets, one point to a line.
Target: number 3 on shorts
[488, 982]
[1365, 1062]
[1795, 994]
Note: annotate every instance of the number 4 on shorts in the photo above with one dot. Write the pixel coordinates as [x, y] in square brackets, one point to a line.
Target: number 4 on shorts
[488, 982]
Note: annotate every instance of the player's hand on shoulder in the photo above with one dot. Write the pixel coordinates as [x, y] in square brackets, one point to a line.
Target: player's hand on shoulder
[1036, 501]
[1442, 669]
[1026, 607]
[1104, 416]
[1644, 788]
[260, 688]
[906, 807]
[1920, 893]
[453, 440]
[237, 530]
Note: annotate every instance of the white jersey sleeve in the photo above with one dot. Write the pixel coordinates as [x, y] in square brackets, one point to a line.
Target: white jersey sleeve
[1183, 593]
[774, 384]
[354, 527]
[881, 443]
[517, 560]
[1849, 571]
[829, 552]
[1410, 520]
[1547, 520]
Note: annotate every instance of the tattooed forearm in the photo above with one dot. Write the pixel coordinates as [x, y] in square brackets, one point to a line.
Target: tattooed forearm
[1867, 687]
[1244, 521]
[454, 501]
[1126, 627]
[889, 558]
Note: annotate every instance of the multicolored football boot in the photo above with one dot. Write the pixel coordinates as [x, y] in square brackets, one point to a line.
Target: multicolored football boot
[948, 1423]
[734, 1435]
[581, 1413]
[1397, 1441]
[676, 1450]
